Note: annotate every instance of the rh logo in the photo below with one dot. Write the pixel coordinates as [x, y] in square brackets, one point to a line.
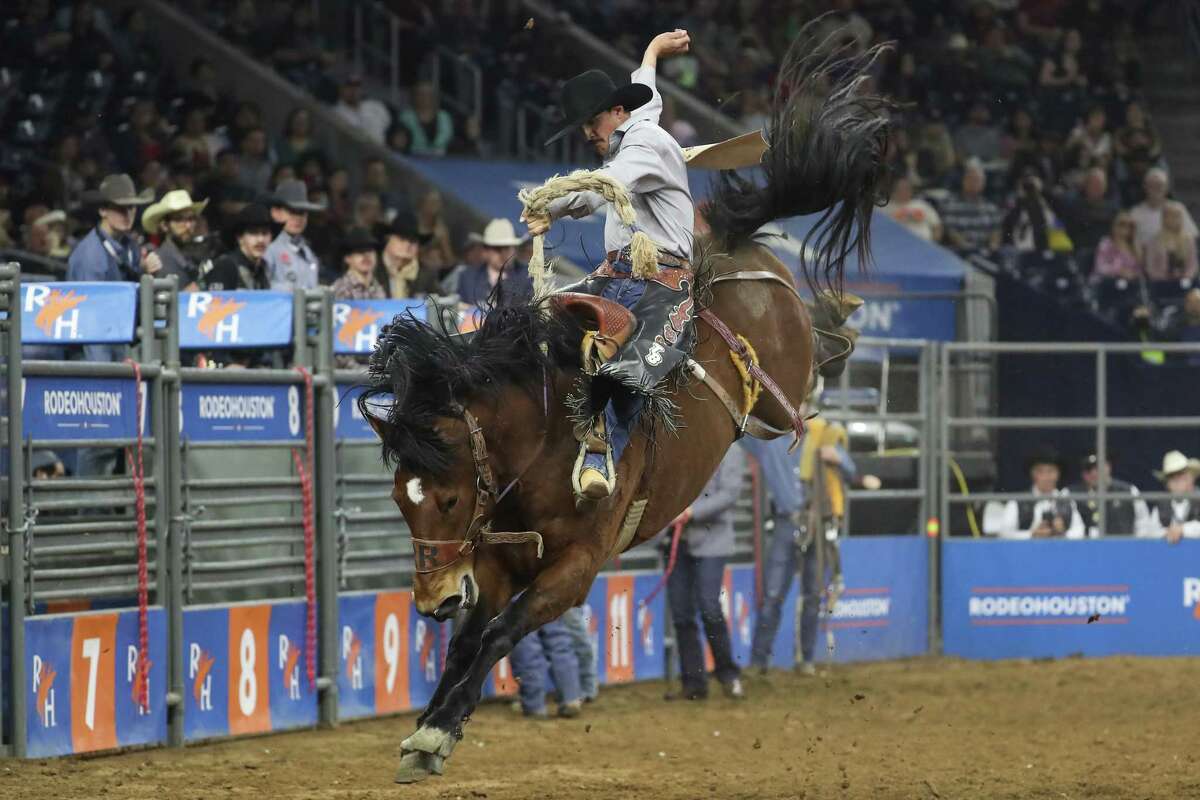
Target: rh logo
[356, 328]
[289, 662]
[200, 665]
[352, 655]
[1191, 595]
[219, 319]
[57, 313]
[43, 690]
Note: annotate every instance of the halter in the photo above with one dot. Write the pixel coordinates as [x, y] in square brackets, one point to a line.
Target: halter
[435, 555]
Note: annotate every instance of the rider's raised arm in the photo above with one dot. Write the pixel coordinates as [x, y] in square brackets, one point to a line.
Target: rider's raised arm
[665, 44]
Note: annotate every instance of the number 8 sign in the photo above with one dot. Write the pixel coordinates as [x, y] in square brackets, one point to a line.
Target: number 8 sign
[249, 701]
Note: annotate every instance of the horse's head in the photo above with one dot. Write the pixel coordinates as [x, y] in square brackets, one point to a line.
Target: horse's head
[444, 504]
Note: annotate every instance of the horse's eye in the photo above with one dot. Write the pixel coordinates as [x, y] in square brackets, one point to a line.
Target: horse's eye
[449, 504]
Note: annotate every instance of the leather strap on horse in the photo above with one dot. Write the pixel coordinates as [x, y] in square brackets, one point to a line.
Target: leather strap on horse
[745, 423]
[755, 370]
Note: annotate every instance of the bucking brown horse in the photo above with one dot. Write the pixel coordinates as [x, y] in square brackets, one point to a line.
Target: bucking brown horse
[482, 429]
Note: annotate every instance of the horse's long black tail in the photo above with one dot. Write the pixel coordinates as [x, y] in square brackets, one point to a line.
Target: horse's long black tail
[827, 140]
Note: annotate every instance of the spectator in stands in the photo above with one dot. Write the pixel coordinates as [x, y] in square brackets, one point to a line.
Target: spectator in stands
[549, 645]
[430, 128]
[1181, 323]
[368, 212]
[179, 213]
[1171, 254]
[299, 50]
[1063, 70]
[377, 180]
[46, 465]
[1051, 514]
[585, 653]
[971, 221]
[1003, 65]
[1090, 144]
[1125, 512]
[1020, 142]
[1089, 217]
[1178, 516]
[297, 142]
[978, 137]
[1118, 255]
[366, 114]
[244, 267]
[437, 252]
[254, 163]
[399, 140]
[195, 145]
[62, 181]
[46, 235]
[1045, 161]
[242, 29]
[400, 270]
[1030, 225]
[1137, 140]
[141, 138]
[358, 281]
[281, 173]
[1148, 214]
[499, 272]
[912, 212]
[694, 586]
[291, 262]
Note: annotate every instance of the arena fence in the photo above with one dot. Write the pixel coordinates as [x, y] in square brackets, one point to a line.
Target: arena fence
[242, 570]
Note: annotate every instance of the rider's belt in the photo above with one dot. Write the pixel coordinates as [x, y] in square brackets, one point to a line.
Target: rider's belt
[664, 259]
[669, 276]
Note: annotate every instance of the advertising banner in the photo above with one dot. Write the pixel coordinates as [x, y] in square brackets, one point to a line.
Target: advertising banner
[356, 323]
[78, 313]
[232, 320]
[231, 412]
[82, 408]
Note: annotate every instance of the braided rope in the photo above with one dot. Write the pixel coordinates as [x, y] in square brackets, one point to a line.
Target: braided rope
[643, 251]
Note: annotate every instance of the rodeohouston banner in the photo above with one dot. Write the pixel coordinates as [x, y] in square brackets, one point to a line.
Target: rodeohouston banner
[230, 320]
[78, 313]
[1036, 599]
[82, 408]
[230, 412]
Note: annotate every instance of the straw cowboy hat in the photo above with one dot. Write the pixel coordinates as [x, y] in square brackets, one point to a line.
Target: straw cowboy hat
[591, 92]
[1176, 461]
[500, 233]
[174, 202]
[117, 190]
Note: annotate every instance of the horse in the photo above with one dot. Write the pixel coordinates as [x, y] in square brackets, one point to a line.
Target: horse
[482, 430]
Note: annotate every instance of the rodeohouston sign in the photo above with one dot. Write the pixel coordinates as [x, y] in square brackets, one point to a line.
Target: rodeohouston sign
[1033, 599]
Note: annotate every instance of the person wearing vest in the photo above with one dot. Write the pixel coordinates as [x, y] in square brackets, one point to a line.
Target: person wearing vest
[1125, 511]
[1178, 516]
[1051, 514]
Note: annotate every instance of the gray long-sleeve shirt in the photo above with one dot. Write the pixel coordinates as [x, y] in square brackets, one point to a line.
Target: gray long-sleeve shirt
[710, 531]
[649, 163]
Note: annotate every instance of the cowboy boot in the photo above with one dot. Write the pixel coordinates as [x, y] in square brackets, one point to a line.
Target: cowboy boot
[594, 477]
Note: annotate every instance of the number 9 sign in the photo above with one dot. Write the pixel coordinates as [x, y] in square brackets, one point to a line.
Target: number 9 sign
[391, 654]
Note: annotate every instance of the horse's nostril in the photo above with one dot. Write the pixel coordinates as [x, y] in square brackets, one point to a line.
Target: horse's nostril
[448, 608]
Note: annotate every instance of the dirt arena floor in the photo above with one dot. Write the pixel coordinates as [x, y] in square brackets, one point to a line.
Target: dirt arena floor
[938, 729]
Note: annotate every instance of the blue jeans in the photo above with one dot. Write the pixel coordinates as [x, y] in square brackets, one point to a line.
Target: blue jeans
[585, 654]
[624, 405]
[551, 642]
[695, 588]
[780, 567]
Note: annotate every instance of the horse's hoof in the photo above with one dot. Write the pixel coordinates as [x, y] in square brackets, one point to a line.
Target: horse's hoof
[417, 766]
[431, 740]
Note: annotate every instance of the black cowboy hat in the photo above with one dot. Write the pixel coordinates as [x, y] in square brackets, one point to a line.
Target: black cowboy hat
[404, 225]
[293, 195]
[117, 190]
[1043, 455]
[586, 95]
[251, 216]
[358, 240]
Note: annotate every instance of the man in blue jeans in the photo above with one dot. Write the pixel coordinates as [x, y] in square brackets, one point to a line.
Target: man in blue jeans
[549, 643]
[788, 493]
[694, 586]
[585, 654]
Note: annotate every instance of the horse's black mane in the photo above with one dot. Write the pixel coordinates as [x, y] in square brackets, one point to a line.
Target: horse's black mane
[429, 371]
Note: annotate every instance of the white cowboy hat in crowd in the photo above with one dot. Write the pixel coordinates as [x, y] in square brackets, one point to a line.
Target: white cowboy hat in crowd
[500, 233]
[1176, 461]
[173, 202]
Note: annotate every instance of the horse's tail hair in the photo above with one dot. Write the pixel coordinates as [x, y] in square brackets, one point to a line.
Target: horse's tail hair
[827, 140]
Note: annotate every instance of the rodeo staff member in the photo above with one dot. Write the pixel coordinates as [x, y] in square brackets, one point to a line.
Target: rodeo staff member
[694, 585]
[1178, 516]
[1051, 514]
[179, 212]
[1125, 512]
[621, 123]
[291, 262]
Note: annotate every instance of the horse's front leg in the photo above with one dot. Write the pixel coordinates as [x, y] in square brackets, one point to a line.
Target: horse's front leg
[555, 589]
[464, 644]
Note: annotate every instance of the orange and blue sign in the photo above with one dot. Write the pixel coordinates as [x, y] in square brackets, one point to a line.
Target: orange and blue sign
[356, 323]
[82, 680]
[232, 320]
[78, 313]
[244, 670]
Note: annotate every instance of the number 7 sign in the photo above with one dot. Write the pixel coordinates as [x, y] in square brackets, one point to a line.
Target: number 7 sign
[93, 682]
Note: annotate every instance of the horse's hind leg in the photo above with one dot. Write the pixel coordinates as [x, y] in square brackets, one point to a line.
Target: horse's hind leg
[555, 589]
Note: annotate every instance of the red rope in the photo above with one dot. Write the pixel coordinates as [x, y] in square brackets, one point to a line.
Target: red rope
[137, 467]
[676, 533]
[304, 468]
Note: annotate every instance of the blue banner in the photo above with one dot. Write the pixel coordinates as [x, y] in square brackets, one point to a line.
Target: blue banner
[82, 408]
[356, 323]
[1037, 599]
[229, 320]
[230, 412]
[78, 313]
[350, 422]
